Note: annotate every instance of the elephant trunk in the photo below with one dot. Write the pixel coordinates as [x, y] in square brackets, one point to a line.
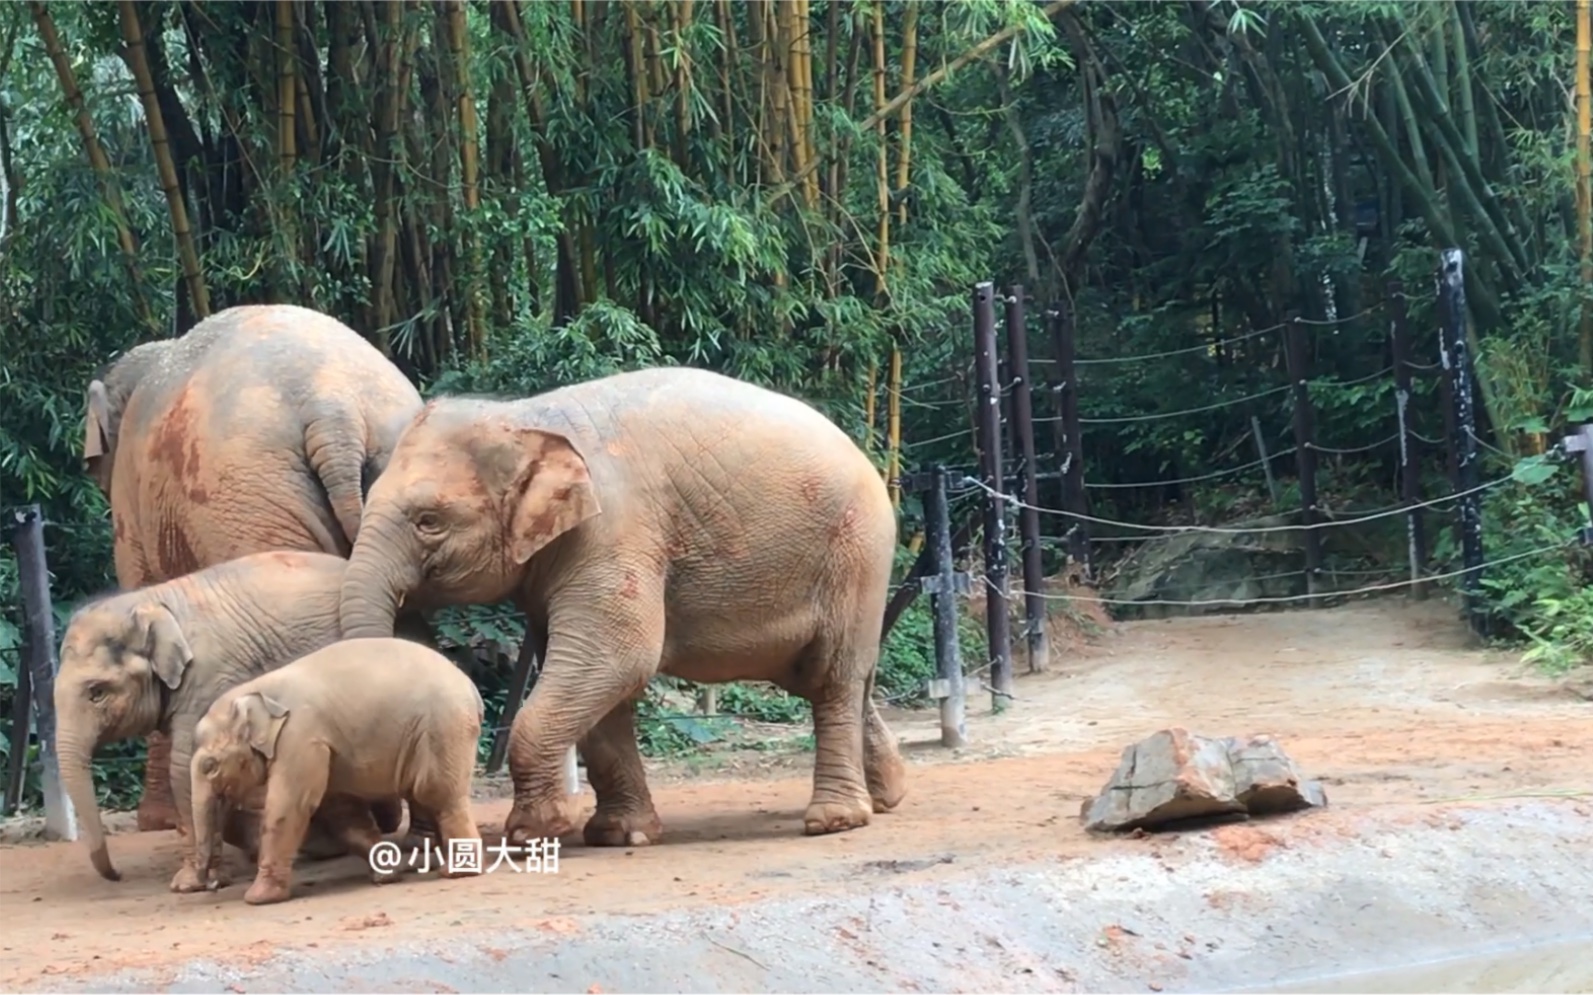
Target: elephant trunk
[381, 571]
[78, 775]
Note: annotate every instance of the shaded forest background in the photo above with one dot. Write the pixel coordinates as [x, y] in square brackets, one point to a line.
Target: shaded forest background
[509, 196]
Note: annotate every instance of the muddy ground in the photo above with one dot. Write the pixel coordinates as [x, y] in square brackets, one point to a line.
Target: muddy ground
[1439, 760]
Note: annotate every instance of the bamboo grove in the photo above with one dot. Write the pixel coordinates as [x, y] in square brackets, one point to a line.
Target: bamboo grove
[509, 194]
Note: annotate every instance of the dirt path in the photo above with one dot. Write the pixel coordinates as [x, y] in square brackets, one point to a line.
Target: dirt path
[1382, 702]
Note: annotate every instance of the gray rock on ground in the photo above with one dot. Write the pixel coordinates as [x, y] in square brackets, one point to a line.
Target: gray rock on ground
[1174, 775]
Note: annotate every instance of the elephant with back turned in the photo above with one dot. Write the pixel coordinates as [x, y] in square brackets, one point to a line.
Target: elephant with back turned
[663, 521]
[259, 429]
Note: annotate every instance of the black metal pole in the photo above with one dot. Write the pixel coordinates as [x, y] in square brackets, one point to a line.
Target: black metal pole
[1039, 643]
[988, 424]
[1457, 362]
[1298, 355]
[943, 603]
[1582, 443]
[27, 536]
[1069, 440]
[1410, 483]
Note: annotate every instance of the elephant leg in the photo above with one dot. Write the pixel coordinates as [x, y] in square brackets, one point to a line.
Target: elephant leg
[156, 807]
[625, 814]
[323, 839]
[841, 798]
[388, 813]
[594, 663]
[456, 821]
[883, 767]
[242, 829]
[295, 787]
[423, 828]
[187, 879]
[351, 821]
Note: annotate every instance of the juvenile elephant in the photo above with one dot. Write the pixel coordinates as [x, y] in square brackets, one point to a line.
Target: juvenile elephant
[259, 429]
[363, 719]
[664, 521]
[156, 657]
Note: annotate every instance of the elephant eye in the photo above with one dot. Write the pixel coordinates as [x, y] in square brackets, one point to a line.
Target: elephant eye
[428, 521]
[96, 693]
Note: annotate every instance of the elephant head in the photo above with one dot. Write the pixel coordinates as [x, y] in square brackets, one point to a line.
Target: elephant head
[469, 496]
[105, 400]
[117, 666]
[234, 744]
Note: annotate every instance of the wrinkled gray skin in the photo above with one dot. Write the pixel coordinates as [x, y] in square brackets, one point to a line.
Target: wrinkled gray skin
[157, 657]
[663, 521]
[258, 429]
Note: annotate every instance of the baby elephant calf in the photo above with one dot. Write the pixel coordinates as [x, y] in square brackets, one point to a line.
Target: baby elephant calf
[359, 720]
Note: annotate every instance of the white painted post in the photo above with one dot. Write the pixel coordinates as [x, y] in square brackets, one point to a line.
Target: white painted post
[572, 773]
[27, 536]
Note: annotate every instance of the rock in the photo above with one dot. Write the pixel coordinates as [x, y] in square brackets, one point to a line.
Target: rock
[1175, 775]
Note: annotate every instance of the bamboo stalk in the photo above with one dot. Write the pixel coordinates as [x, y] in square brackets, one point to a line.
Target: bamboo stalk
[882, 256]
[904, 135]
[109, 189]
[974, 53]
[802, 66]
[469, 174]
[138, 62]
[894, 460]
[683, 14]
[1584, 176]
[729, 61]
[1468, 101]
[870, 406]
[391, 46]
[287, 92]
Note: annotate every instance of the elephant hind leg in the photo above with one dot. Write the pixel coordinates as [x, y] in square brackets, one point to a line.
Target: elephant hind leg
[883, 767]
[841, 797]
[625, 814]
[351, 822]
[157, 809]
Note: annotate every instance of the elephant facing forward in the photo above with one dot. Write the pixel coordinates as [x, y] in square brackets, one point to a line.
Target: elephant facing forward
[157, 657]
[663, 521]
[259, 429]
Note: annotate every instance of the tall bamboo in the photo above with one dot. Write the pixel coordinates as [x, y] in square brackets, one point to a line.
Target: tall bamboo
[469, 170]
[904, 136]
[109, 188]
[138, 62]
[287, 92]
[893, 464]
[882, 257]
[1584, 176]
[682, 10]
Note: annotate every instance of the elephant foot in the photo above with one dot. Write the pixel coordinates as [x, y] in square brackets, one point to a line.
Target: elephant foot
[188, 880]
[388, 812]
[887, 783]
[266, 890]
[537, 820]
[386, 876]
[155, 816]
[623, 828]
[835, 817]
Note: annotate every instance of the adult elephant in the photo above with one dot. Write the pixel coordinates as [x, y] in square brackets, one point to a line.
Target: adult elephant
[663, 521]
[259, 429]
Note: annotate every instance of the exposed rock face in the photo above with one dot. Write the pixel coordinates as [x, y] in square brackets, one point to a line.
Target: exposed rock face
[1176, 775]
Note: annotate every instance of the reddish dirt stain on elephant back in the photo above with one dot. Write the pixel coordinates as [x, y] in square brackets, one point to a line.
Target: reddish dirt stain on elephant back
[174, 443]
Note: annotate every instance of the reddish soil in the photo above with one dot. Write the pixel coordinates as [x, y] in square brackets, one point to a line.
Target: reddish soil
[1384, 703]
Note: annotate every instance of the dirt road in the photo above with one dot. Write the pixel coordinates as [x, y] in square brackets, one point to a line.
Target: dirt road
[1382, 702]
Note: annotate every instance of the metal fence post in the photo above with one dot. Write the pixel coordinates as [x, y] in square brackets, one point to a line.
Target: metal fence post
[1068, 440]
[1038, 641]
[944, 585]
[1582, 443]
[1457, 364]
[1410, 483]
[1298, 356]
[27, 536]
[988, 424]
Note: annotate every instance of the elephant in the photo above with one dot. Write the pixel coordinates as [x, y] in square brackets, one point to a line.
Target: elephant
[361, 719]
[156, 657]
[665, 520]
[259, 429]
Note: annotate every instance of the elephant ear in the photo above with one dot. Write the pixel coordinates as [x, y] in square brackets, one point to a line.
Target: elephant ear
[164, 643]
[556, 494]
[97, 422]
[261, 718]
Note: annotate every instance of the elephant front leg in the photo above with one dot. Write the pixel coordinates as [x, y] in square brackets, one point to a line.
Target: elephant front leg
[189, 877]
[157, 808]
[582, 681]
[295, 786]
[625, 814]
